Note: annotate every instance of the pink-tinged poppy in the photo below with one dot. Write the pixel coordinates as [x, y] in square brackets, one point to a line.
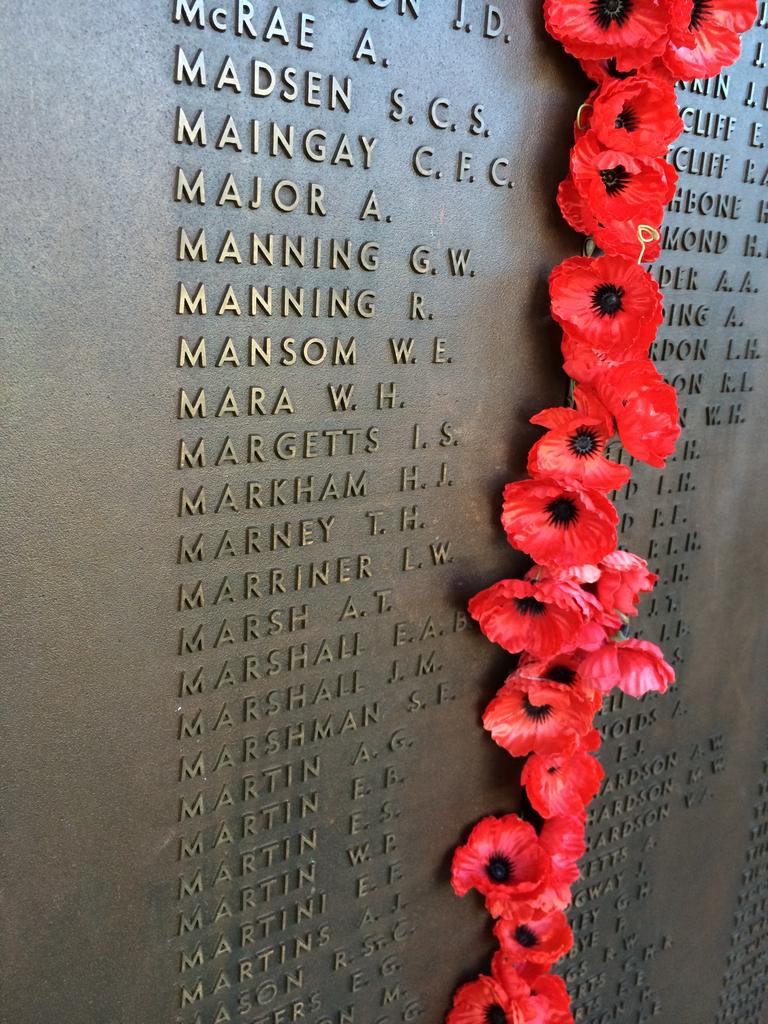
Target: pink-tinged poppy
[504, 861]
[522, 615]
[558, 524]
[636, 667]
[630, 31]
[705, 35]
[637, 115]
[623, 578]
[561, 783]
[574, 449]
[537, 721]
[487, 1001]
[644, 407]
[608, 302]
[541, 939]
[563, 838]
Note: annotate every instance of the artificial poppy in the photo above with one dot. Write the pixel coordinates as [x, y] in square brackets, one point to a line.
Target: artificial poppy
[571, 574]
[605, 70]
[636, 667]
[561, 783]
[558, 524]
[523, 615]
[547, 678]
[644, 407]
[583, 364]
[609, 302]
[551, 1001]
[704, 35]
[524, 722]
[636, 237]
[598, 624]
[487, 1001]
[636, 115]
[630, 31]
[564, 839]
[541, 939]
[615, 185]
[623, 577]
[573, 208]
[587, 402]
[573, 449]
[503, 860]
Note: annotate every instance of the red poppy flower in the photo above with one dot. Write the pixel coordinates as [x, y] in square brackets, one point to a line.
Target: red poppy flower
[598, 623]
[545, 679]
[542, 939]
[574, 209]
[705, 35]
[605, 71]
[570, 574]
[487, 1001]
[644, 407]
[637, 115]
[551, 1001]
[615, 185]
[563, 838]
[587, 402]
[573, 448]
[544, 722]
[504, 861]
[634, 666]
[609, 302]
[631, 31]
[561, 783]
[637, 237]
[558, 524]
[519, 615]
[623, 577]
[583, 364]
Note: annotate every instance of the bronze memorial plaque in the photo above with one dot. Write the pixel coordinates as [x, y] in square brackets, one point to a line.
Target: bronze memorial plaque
[274, 318]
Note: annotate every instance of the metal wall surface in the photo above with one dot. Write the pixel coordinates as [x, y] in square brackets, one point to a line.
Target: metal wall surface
[241, 694]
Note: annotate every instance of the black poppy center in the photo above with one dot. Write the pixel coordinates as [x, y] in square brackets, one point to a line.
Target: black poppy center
[584, 442]
[627, 119]
[562, 674]
[499, 868]
[607, 299]
[536, 712]
[699, 12]
[615, 179]
[614, 72]
[530, 606]
[562, 512]
[553, 769]
[525, 936]
[610, 12]
[495, 1014]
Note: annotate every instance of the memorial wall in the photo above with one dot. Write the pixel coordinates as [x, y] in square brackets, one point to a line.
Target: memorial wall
[275, 318]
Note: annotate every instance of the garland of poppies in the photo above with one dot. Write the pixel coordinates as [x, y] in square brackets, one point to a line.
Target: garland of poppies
[568, 617]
